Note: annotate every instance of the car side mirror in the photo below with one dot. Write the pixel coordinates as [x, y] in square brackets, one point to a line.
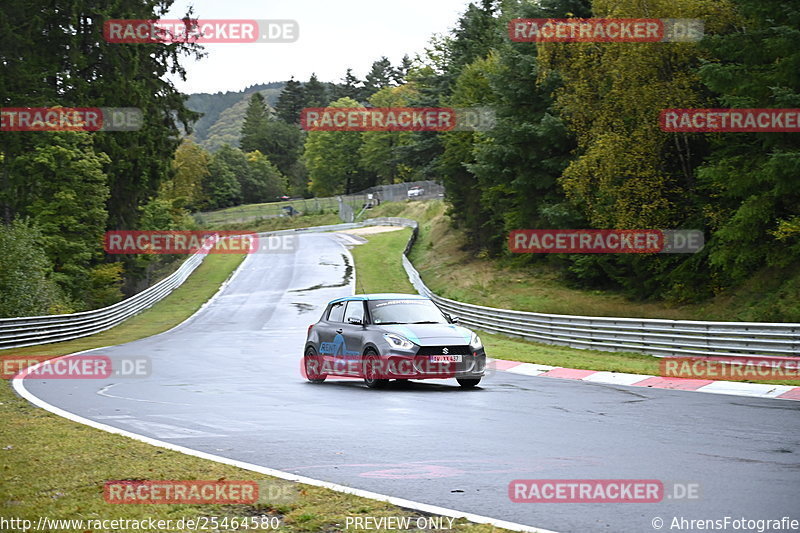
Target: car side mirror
[355, 321]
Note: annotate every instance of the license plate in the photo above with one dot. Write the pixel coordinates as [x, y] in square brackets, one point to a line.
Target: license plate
[445, 359]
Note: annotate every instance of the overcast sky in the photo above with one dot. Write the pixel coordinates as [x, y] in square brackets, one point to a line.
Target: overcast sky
[334, 35]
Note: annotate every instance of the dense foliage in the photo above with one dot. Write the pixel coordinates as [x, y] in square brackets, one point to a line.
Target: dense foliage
[576, 144]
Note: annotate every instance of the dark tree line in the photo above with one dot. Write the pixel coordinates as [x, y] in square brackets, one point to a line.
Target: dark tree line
[67, 188]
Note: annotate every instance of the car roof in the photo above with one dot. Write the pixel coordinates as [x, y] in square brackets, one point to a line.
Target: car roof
[380, 296]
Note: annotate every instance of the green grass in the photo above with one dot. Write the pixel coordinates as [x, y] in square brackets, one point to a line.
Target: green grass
[453, 270]
[251, 212]
[57, 468]
[378, 269]
[274, 224]
[376, 263]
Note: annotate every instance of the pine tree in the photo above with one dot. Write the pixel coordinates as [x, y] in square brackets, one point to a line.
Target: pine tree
[290, 102]
[380, 75]
[314, 93]
[351, 87]
[255, 120]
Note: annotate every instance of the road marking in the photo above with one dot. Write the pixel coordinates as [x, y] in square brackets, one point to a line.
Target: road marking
[758, 390]
[102, 392]
[19, 386]
[616, 378]
[529, 369]
[350, 240]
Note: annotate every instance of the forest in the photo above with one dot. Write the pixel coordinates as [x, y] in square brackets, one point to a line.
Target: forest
[577, 144]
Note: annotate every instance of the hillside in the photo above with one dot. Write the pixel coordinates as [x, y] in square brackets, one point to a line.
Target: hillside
[223, 113]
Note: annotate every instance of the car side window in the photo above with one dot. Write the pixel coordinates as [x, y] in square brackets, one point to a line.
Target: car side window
[355, 309]
[337, 312]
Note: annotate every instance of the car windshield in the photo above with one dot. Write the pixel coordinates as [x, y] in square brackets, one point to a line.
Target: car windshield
[405, 312]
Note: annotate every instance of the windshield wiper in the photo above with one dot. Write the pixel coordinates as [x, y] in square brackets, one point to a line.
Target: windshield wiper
[428, 322]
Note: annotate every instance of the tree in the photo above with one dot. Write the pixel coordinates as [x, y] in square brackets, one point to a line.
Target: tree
[332, 159]
[66, 200]
[463, 187]
[379, 151]
[399, 74]
[751, 179]
[264, 182]
[622, 177]
[282, 143]
[351, 87]
[222, 187]
[255, 120]
[314, 93]
[518, 162]
[478, 30]
[97, 185]
[190, 167]
[26, 284]
[290, 102]
[380, 75]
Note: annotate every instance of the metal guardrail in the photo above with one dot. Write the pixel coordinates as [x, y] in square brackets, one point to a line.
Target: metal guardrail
[658, 337]
[33, 330]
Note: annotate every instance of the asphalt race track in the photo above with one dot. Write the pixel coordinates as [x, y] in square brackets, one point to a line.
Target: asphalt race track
[228, 382]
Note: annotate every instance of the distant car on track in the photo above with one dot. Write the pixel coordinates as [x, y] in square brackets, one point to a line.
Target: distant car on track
[379, 337]
[416, 191]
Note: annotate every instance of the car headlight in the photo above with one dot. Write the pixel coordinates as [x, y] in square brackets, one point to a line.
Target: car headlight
[396, 341]
[475, 343]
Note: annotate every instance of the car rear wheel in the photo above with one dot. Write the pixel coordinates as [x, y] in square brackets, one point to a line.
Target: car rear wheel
[371, 371]
[468, 383]
[313, 365]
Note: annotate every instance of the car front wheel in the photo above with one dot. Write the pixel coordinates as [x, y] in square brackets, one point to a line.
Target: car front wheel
[371, 371]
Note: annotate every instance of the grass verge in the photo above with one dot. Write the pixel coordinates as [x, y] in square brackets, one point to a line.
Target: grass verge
[378, 269]
[279, 223]
[454, 271]
[52, 467]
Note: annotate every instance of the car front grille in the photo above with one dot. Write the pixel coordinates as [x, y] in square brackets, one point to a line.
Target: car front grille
[439, 350]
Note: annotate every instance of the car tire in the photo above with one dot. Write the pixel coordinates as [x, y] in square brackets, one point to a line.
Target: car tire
[368, 370]
[468, 383]
[312, 375]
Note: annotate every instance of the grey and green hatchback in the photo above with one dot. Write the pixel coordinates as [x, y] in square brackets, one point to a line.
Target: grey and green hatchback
[379, 337]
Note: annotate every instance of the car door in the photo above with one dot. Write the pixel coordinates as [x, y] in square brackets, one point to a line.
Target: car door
[327, 328]
[353, 333]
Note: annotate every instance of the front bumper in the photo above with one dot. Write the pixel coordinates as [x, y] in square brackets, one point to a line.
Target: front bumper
[420, 365]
